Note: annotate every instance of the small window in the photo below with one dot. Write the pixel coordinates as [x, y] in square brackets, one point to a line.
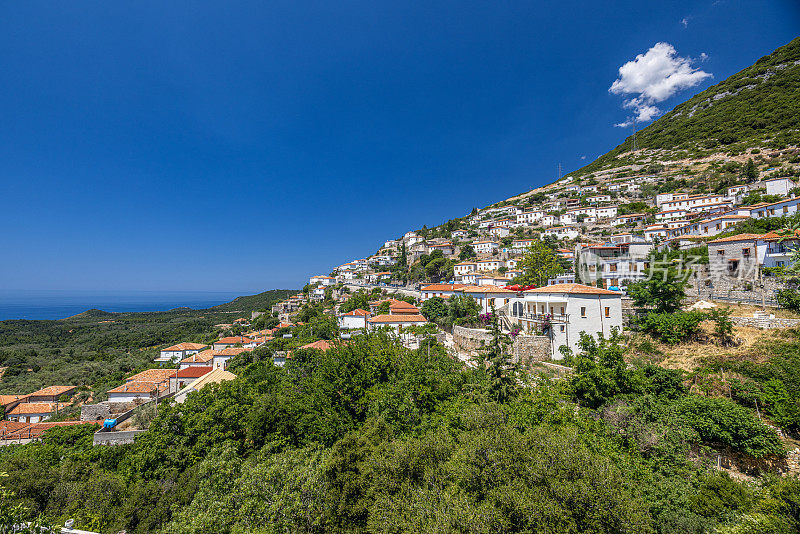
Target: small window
[720, 253]
[608, 311]
[583, 311]
[746, 252]
[563, 328]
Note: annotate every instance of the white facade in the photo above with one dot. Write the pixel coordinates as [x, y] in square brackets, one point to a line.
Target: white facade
[780, 186]
[485, 247]
[573, 309]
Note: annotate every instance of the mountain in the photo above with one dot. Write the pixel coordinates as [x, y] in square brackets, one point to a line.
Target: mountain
[756, 107]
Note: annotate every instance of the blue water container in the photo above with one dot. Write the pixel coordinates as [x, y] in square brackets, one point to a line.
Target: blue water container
[109, 423]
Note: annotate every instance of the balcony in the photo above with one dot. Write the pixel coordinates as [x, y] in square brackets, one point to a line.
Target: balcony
[540, 318]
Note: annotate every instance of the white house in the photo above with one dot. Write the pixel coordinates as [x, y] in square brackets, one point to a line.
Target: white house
[439, 290]
[598, 198]
[322, 280]
[488, 265]
[353, 320]
[548, 220]
[780, 186]
[136, 391]
[521, 244]
[485, 247]
[184, 377]
[176, 353]
[499, 232]
[395, 322]
[782, 208]
[569, 309]
[232, 341]
[464, 267]
[562, 232]
[221, 357]
[607, 212]
[489, 295]
[32, 412]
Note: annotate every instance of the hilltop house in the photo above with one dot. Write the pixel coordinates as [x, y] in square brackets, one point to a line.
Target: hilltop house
[201, 359]
[233, 341]
[50, 394]
[32, 412]
[221, 358]
[180, 351]
[439, 290]
[353, 319]
[184, 377]
[564, 311]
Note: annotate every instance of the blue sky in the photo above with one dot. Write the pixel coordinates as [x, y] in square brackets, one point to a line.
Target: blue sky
[245, 145]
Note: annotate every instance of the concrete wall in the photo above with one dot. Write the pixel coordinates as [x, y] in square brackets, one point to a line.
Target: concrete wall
[470, 339]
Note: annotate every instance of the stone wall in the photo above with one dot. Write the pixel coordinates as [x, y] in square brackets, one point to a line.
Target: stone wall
[757, 322]
[528, 349]
[115, 438]
[525, 349]
[95, 412]
[470, 339]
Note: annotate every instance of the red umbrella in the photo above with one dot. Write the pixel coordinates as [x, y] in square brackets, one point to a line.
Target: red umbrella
[515, 287]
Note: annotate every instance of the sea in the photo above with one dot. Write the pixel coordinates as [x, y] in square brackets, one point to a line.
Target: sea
[54, 304]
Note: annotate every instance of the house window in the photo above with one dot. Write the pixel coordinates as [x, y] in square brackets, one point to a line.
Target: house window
[608, 311]
[612, 268]
[563, 328]
[746, 252]
[583, 311]
[720, 253]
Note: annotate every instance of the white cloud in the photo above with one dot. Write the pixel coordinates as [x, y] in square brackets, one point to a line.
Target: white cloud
[654, 77]
[583, 157]
[685, 22]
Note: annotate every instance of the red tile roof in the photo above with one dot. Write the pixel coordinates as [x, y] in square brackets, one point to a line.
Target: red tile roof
[357, 312]
[442, 287]
[185, 346]
[575, 289]
[738, 237]
[233, 340]
[27, 408]
[195, 371]
[322, 345]
[398, 319]
[53, 391]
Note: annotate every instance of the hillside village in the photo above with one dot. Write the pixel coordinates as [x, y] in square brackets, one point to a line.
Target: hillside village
[605, 229]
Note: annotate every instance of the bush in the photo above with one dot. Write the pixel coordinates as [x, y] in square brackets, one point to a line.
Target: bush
[721, 421]
[672, 328]
[789, 299]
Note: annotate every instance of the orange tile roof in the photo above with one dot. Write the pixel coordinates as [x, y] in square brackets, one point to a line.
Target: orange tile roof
[233, 340]
[136, 387]
[487, 289]
[152, 375]
[8, 399]
[195, 371]
[441, 287]
[231, 351]
[27, 408]
[398, 319]
[774, 236]
[9, 427]
[200, 357]
[575, 289]
[52, 391]
[322, 345]
[35, 430]
[185, 346]
[357, 312]
[738, 237]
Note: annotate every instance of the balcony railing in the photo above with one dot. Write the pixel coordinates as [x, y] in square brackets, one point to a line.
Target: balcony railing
[539, 317]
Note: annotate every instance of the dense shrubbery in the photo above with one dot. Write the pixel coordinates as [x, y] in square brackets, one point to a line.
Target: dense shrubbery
[674, 327]
[371, 436]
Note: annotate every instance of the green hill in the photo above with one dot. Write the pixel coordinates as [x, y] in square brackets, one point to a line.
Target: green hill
[756, 107]
[257, 302]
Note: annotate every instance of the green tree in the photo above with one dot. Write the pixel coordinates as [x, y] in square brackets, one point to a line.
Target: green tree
[467, 252]
[750, 172]
[663, 290]
[538, 265]
[501, 371]
[434, 308]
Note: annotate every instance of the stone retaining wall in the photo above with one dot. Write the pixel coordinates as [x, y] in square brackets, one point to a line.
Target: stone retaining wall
[115, 438]
[525, 349]
[470, 339]
[528, 349]
[769, 323]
